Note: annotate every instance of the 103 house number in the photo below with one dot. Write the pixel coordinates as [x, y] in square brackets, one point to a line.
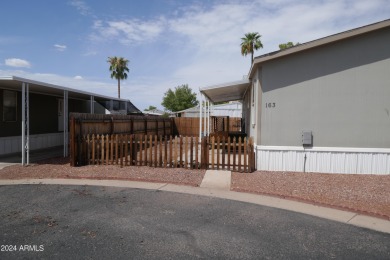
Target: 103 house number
[270, 105]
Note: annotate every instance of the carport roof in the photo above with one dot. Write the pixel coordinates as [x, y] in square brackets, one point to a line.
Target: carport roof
[230, 91]
[15, 83]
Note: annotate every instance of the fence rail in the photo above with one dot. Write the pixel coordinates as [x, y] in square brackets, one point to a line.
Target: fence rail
[166, 151]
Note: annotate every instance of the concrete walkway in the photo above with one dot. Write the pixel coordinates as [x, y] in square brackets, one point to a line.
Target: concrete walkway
[207, 189]
[214, 179]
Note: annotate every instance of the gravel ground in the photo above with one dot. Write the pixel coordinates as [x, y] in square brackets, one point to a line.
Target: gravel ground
[60, 168]
[367, 194]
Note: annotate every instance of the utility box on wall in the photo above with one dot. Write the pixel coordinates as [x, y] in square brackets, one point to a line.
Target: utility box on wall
[307, 138]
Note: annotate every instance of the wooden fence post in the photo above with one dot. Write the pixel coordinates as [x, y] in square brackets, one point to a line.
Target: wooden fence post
[204, 153]
[112, 125]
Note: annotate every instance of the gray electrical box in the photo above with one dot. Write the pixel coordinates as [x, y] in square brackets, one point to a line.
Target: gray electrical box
[307, 138]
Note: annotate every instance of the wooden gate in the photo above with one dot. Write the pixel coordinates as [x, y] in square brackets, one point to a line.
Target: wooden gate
[226, 153]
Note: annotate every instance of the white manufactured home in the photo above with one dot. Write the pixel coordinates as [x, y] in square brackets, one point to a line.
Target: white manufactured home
[230, 109]
[321, 106]
[34, 115]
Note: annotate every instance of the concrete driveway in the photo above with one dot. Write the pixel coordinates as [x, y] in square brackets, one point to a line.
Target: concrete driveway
[96, 222]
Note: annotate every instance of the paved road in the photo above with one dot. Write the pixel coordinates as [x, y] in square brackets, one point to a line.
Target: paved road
[89, 222]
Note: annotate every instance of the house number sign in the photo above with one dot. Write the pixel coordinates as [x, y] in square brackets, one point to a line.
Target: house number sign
[270, 105]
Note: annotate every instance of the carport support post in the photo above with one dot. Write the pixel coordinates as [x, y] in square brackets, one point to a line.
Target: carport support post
[208, 118]
[205, 118]
[200, 117]
[25, 124]
[66, 115]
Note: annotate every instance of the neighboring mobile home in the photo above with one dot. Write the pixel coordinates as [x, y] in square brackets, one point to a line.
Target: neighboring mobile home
[35, 115]
[231, 109]
[321, 106]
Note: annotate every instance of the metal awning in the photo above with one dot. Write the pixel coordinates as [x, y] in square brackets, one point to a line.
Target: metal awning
[231, 91]
[15, 83]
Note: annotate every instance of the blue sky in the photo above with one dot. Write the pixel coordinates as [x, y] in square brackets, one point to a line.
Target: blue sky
[168, 42]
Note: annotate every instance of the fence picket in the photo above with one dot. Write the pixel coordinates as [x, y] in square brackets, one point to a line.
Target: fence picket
[212, 152]
[170, 151]
[223, 152]
[165, 152]
[239, 154]
[228, 150]
[155, 151]
[191, 153]
[175, 153]
[234, 153]
[98, 149]
[93, 149]
[160, 155]
[245, 155]
[218, 151]
[196, 153]
[185, 152]
[150, 150]
[180, 151]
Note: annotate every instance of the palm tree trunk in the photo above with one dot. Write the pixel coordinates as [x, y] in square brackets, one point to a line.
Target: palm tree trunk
[119, 88]
[251, 58]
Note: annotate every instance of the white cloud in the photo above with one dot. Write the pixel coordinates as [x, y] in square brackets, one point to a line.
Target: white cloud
[217, 29]
[78, 77]
[201, 44]
[14, 62]
[81, 6]
[128, 31]
[60, 47]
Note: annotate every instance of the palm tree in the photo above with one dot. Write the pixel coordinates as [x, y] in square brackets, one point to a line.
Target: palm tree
[118, 68]
[249, 43]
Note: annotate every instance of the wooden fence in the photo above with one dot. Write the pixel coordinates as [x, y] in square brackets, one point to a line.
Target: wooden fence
[189, 126]
[166, 151]
[82, 124]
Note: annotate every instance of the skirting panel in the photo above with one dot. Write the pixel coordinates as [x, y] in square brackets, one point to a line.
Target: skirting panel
[13, 144]
[325, 160]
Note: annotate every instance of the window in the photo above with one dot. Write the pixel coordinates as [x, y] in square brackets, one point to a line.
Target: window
[9, 106]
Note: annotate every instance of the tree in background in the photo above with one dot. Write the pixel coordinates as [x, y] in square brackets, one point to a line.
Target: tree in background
[250, 43]
[283, 46]
[150, 108]
[179, 99]
[118, 69]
